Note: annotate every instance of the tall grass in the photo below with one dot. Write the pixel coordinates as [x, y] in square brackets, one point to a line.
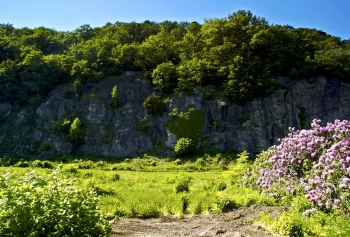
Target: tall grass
[150, 187]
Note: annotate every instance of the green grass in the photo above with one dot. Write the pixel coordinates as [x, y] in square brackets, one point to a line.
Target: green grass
[153, 194]
[293, 223]
[151, 186]
[147, 187]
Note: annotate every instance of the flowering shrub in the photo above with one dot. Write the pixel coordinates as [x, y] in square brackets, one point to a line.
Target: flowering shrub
[32, 205]
[315, 162]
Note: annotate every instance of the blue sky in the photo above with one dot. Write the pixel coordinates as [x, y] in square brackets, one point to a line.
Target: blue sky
[331, 16]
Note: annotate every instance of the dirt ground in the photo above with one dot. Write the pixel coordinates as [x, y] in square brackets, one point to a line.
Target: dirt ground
[236, 223]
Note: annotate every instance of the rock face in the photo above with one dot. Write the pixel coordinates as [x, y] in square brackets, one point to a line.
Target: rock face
[258, 124]
[117, 132]
[5, 110]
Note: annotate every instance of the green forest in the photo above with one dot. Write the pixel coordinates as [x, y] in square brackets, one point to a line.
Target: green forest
[241, 54]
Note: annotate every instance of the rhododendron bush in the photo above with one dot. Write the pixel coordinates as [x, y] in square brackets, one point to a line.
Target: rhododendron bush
[314, 162]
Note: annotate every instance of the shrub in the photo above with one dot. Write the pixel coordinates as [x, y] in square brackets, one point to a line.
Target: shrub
[184, 202]
[45, 147]
[200, 162]
[5, 161]
[42, 164]
[32, 205]
[36, 164]
[173, 113]
[78, 86]
[100, 163]
[103, 190]
[77, 132]
[22, 164]
[142, 125]
[222, 204]
[177, 162]
[71, 169]
[315, 162]
[153, 163]
[88, 175]
[86, 165]
[114, 101]
[221, 186]
[116, 177]
[154, 105]
[184, 147]
[291, 224]
[181, 185]
[48, 165]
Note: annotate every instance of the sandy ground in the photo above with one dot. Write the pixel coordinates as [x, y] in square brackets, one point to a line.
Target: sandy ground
[236, 223]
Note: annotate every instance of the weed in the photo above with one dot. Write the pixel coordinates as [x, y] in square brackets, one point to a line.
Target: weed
[86, 165]
[221, 186]
[181, 185]
[115, 177]
[72, 169]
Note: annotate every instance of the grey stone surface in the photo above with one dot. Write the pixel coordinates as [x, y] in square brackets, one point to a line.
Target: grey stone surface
[5, 109]
[113, 131]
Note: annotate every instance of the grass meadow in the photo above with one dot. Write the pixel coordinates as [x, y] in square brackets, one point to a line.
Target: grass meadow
[148, 187]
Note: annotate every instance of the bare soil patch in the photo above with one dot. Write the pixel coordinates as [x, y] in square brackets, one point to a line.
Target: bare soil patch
[236, 223]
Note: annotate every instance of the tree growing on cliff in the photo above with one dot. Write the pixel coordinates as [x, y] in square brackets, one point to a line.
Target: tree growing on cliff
[114, 101]
[76, 132]
[154, 105]
[165, 77]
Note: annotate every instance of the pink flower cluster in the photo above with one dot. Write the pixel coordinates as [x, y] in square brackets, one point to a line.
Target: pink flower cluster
[317, 160]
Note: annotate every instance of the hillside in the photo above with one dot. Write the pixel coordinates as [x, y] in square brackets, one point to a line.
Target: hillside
[234, 83]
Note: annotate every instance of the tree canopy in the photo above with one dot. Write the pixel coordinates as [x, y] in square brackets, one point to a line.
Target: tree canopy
[241, 54]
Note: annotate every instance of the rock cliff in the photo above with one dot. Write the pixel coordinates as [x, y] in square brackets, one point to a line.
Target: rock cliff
[128, 131]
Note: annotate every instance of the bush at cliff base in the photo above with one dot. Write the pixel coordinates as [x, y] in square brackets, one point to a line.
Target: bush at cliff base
[315, 163]
[33, 205]
[184, 147]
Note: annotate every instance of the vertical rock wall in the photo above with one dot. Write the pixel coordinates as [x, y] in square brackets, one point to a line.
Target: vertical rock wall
[114, 131]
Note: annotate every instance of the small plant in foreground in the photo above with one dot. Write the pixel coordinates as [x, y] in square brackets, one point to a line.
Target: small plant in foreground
[221, 186]
[294, 223]
[33, 205]
[116, 177]
[181, 185]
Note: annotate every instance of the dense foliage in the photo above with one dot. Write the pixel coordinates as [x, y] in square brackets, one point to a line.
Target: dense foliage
[187, 124]
[154, 105]
[240, 53]
[314, 162]
[35, 205]
[184, 147]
